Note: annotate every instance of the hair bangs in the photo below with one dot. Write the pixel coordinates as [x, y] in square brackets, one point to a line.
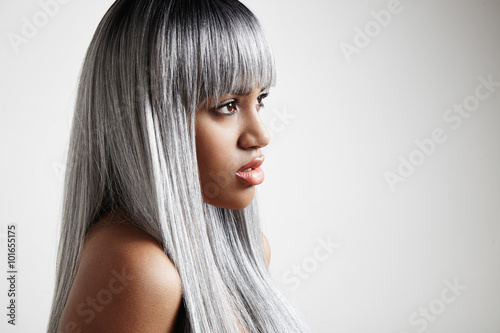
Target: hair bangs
[235, 56]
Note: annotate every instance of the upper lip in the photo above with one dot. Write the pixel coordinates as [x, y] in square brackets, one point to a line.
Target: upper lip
[255, 163]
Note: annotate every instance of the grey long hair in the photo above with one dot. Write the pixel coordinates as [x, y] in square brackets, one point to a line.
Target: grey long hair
[150, 66]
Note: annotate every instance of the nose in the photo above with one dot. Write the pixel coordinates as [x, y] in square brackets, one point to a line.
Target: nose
[254, 133]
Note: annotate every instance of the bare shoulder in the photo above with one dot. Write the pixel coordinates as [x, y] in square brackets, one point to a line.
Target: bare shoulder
[124, 283]
[266, 248]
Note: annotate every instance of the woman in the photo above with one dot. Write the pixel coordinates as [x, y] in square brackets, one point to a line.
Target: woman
[160, 231]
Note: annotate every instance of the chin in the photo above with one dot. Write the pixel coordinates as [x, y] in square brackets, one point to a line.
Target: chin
[235, 201]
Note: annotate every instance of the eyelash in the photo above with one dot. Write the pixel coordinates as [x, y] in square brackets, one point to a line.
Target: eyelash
[234, 102]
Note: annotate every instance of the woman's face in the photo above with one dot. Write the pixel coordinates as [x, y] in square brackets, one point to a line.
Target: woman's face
[229, 138]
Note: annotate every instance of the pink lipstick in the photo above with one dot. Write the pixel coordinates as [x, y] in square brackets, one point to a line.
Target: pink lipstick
[252, 173]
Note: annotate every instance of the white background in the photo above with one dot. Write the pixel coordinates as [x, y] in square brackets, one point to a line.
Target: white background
[337, 127]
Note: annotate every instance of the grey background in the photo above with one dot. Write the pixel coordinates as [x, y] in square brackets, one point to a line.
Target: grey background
[338, 126]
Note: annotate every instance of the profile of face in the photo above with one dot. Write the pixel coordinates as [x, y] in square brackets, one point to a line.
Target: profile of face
[229, 138]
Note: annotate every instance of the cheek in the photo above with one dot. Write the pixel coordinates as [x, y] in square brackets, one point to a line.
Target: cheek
[215, 147]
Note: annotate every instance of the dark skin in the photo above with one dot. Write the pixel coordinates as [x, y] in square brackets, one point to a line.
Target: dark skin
[125, 283]
[227, 139]
[147, 301]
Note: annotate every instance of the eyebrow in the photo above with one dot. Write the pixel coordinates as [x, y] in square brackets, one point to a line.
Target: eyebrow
[241, 92]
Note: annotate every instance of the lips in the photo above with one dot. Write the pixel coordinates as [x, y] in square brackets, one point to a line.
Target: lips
[251, 172]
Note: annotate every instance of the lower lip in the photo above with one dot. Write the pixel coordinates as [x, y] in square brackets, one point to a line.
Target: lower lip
[252, 177]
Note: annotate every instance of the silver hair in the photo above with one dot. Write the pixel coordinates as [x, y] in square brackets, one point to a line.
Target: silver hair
[150, 66]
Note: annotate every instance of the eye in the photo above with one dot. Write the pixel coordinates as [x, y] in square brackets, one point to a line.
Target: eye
[227, 108]
[261, 97]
